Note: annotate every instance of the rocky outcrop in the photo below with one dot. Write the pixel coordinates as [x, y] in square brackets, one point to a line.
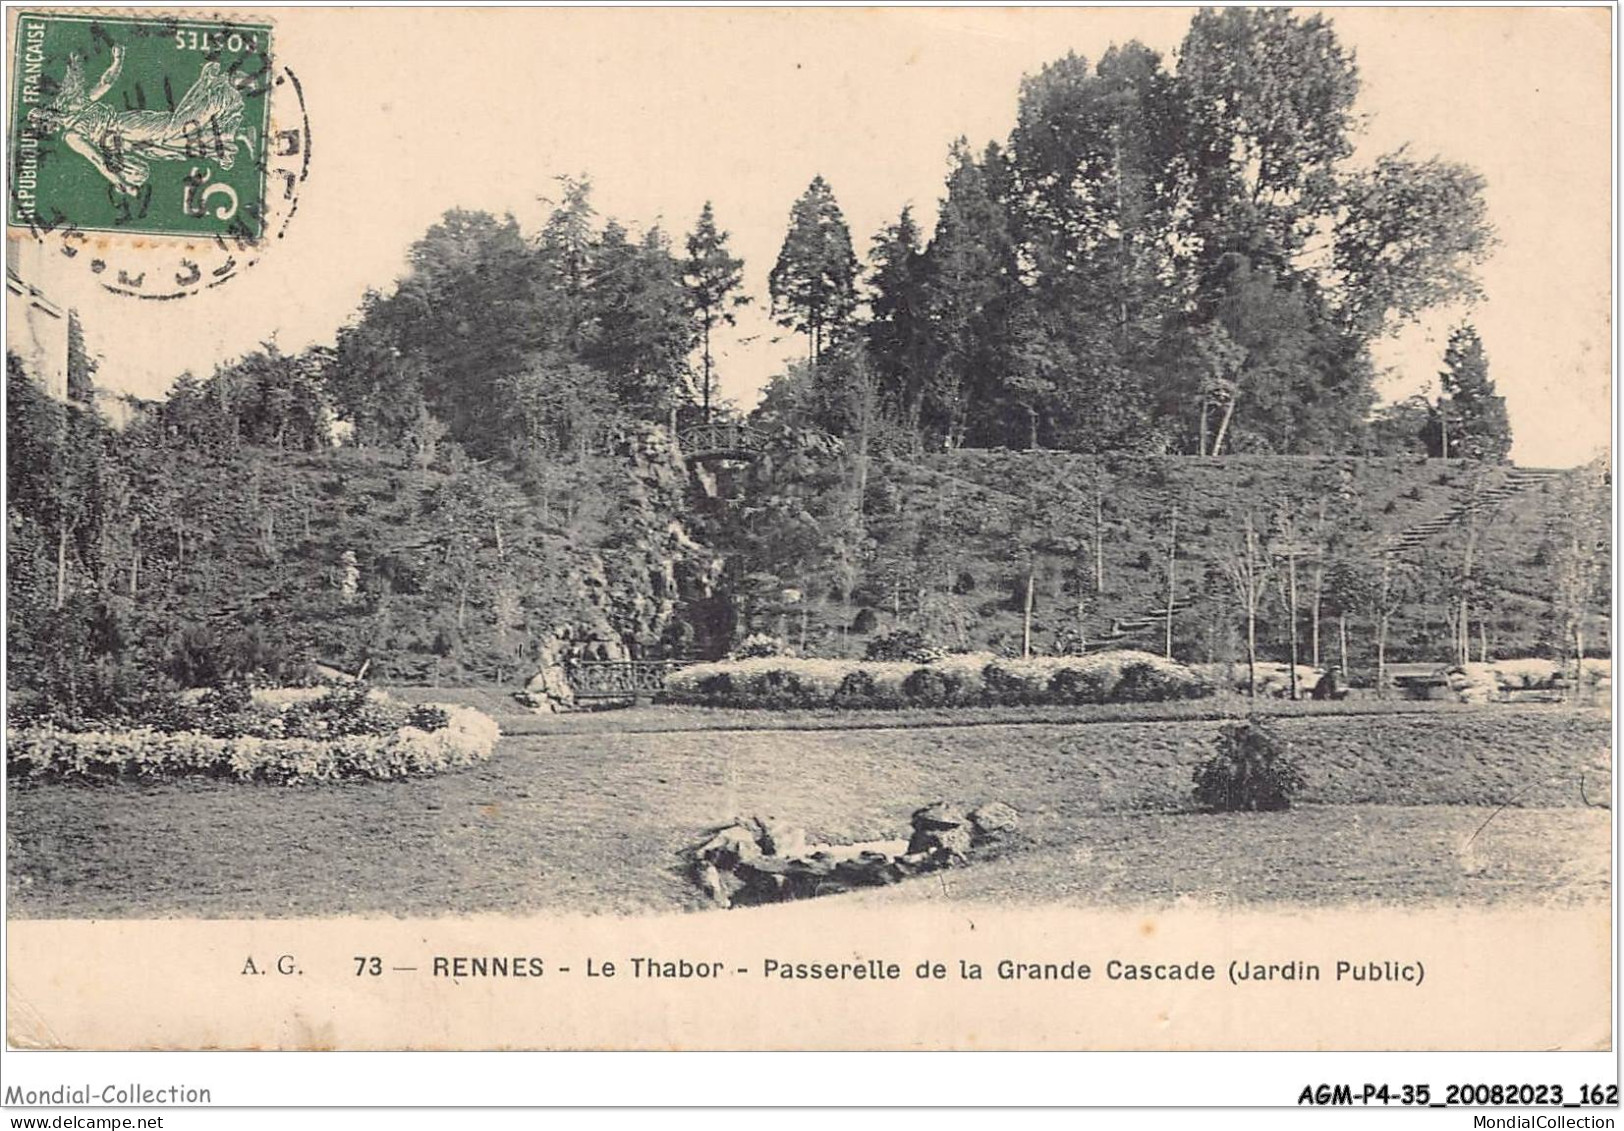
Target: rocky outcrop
[767, 860]
[549, 689]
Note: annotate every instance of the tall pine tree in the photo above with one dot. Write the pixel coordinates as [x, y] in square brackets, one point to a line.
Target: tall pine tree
[1474, 415]
[973, 293]
[713, 278]
[81, 366]
[898, 327]
[814, 282]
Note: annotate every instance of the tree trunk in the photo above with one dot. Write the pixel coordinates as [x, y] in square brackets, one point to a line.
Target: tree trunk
[1099, 543]
[105, 557]
[1579, 662]
[1251, 607]
[1124, 248]
[1385, 605]
[1464, 632]
[1464, 626]
[1314, 615]
[1082, 613]
[1172, 580]
[1291, 585]
[61, 561]
[1381, 657]
[1223, 426]
[1342, 633]
[1251, 649]
[1201, 439]
[862, 450]
[1026, 618]
[705, 393]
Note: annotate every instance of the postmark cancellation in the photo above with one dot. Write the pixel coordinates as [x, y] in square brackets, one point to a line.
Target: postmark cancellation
[184, 139]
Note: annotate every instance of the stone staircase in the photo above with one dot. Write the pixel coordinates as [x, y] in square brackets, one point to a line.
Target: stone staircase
[1125, 627]
[1515, 481]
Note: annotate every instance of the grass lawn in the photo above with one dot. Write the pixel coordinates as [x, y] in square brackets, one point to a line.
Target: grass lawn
[596, 821]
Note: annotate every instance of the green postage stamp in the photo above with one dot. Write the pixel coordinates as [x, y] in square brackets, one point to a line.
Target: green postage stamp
[141, 124]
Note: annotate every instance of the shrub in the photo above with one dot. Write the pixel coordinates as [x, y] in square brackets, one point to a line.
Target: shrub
[1003, 685]
[200, 657]
[193, 659]
[904, 645]
[933, 687]
[864, 622]
[300, 720]
[857, 689]
[778, 687]
[428, 716]
[227, 711]
[717, 689]
[1145, 682]
[759, 645]
[1252, 771]
[169, 712]
[1079, 685]
[353, 709]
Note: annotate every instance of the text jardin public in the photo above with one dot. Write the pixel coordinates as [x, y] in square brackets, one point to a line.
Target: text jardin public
[1387, 971]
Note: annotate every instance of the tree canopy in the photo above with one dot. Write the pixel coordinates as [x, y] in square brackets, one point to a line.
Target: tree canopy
[814, 283]
[1179, 258]
[713, 277]
[1474, 416]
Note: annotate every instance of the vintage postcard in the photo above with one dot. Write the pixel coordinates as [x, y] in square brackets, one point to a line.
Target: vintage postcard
[810, 529]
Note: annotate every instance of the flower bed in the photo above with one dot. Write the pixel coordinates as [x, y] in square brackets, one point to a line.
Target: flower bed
[366, 736]
[970, 679]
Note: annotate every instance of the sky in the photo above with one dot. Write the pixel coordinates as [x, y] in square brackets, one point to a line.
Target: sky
[415, 111]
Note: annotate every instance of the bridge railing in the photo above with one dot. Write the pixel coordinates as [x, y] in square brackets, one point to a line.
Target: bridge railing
[721, 439]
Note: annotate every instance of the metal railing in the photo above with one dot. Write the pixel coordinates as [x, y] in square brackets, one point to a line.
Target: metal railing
[721, 439]
[619, 679]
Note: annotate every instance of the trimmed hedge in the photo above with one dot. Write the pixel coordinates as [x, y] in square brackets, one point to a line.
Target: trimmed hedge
[967, 680]
[51, 754]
